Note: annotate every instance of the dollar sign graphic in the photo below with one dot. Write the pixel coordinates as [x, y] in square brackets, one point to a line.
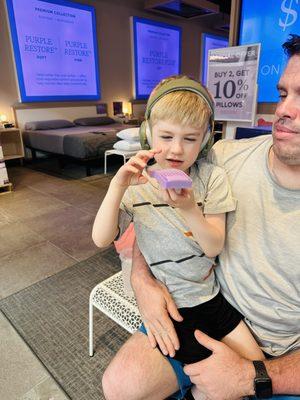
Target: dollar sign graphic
[289, 12]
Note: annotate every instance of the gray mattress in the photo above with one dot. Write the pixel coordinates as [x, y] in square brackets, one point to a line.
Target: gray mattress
[78, 141]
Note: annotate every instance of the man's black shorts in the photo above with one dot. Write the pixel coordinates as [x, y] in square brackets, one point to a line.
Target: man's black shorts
[216, 318]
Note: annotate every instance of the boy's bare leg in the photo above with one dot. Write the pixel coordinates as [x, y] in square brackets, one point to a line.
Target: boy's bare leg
[139, 372]
[241, 341]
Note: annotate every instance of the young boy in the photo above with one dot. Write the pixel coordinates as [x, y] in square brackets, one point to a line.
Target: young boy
[179, 233]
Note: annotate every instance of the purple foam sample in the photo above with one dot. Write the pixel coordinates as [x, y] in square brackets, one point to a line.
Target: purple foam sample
[171, 178]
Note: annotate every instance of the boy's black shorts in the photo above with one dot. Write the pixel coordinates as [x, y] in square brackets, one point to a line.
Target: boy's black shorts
[216, 318]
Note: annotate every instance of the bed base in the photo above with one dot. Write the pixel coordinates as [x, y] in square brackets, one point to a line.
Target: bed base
[63, 159]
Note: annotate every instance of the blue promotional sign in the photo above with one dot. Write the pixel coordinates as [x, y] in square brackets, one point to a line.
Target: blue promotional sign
[156, 51]
[55, 47]
[270, 23]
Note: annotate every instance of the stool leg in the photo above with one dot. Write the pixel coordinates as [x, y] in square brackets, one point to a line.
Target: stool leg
[91, 349]
[124, 158]
[105, 165]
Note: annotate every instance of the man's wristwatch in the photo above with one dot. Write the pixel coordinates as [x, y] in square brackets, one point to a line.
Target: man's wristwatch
[262, 381]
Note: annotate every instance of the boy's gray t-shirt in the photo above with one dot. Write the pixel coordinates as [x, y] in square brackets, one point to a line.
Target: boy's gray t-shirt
[163, 237]
[259, 268]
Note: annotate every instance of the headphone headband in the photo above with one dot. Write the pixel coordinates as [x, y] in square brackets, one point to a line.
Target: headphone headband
[177, 85]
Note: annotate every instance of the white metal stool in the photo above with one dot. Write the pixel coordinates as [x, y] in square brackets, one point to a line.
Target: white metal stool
[109, 297]
[125, 154]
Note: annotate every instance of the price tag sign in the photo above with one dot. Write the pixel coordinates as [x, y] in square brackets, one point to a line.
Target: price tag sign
[232, 77]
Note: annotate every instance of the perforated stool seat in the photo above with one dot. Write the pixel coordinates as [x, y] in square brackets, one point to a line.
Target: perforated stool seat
[109, 297]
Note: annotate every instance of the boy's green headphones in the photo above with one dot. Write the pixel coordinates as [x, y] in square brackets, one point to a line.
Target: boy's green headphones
[174, 86]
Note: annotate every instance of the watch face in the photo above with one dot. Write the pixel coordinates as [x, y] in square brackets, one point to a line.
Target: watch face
[263, 388]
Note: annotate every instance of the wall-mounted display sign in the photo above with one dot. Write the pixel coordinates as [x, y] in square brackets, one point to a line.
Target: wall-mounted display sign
[156, 54]
[269, 23]
[55, 48]
[232, 77]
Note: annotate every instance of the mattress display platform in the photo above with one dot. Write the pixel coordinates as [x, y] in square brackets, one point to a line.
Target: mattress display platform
[82, 142]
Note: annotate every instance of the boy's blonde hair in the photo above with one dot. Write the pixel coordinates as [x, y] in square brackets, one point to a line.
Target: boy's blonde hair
[180, 107]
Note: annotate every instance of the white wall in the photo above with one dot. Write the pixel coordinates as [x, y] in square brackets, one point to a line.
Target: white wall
[43, 114]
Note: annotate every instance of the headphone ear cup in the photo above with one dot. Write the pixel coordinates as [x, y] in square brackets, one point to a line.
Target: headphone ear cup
[143, 136]
[205, 139]
[148, 134]
[209, 136]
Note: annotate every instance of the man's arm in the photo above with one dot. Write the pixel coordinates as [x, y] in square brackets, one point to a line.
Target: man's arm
[285, 373]
[155, 304]
[226, 375]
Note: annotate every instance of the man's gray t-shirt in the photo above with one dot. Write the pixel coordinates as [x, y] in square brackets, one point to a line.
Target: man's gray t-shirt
[259, 268]
[163, 237]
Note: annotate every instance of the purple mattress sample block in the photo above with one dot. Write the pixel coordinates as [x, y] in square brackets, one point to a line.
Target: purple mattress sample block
[172, 178]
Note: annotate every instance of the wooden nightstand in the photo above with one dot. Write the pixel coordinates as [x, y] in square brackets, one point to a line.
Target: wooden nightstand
[12, 143]
[132, 121]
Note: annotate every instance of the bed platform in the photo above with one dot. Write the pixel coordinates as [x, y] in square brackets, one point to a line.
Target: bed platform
[80, 143]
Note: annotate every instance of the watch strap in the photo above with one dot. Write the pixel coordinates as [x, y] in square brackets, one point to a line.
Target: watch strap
[260, 369]
[262, 381]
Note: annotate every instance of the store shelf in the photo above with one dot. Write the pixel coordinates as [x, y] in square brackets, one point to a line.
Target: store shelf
[7, 188]
[12, 144]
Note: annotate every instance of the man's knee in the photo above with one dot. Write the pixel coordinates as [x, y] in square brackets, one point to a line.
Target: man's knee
[118, 380]
[117, 384]
[110, 385]
[137, 371]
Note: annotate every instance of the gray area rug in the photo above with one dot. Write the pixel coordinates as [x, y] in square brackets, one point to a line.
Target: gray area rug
[52, 317]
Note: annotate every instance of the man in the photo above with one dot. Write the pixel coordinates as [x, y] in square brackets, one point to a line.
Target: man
[259, 274]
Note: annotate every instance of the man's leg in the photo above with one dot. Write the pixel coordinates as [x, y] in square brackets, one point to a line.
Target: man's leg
[139, 372]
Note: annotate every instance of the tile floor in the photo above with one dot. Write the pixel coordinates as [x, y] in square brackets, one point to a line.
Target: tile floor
[45, 227]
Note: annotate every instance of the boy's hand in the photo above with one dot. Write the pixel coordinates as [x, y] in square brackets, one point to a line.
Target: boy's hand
[131, 172]
[183, 199]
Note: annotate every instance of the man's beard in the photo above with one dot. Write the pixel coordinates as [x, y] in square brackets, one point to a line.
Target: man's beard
[287, 154]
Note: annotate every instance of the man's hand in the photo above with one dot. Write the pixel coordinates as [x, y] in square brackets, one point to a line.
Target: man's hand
[224, 375]
[156, 306]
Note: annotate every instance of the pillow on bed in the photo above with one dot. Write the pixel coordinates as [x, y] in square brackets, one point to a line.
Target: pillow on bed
[127, 146]
[51, 124]
[130, 134]
[93, 121]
